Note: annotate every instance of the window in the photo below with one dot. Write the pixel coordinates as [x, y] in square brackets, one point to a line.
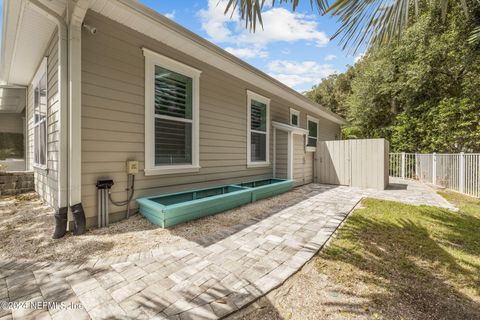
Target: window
[258, 130]
[294, 117]
[312, 131]
[40, 116]
[171, 115]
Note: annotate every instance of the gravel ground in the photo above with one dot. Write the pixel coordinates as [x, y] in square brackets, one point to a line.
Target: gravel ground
[27, 224]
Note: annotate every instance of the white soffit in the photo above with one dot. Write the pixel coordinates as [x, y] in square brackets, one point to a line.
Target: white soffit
[12, 100]
[147, 21]
[27, 34]
[32, 41]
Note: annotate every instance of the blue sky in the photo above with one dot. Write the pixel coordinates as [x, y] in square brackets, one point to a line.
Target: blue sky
[293, 47]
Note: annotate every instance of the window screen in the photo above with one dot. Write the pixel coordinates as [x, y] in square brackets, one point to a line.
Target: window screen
[294, 120]
[173, 118]
[40, 121]
[312, 133]
[258, 133]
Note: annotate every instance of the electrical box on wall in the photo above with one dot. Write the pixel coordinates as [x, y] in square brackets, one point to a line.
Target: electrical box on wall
[132, 167]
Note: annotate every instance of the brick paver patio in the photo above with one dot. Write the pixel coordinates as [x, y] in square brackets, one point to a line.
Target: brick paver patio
[194, 281]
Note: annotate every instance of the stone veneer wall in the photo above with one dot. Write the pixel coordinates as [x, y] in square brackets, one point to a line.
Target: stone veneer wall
[16, 182]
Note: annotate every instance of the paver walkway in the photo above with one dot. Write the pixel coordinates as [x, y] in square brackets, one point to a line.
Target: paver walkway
[194, 281]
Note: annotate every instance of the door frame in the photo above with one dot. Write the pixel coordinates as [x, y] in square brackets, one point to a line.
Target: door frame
[291, 130]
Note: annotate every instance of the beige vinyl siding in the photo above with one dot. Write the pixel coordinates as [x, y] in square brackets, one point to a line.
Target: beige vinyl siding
[281, 156]
[113, 117]
[46, 180]
[328, 130]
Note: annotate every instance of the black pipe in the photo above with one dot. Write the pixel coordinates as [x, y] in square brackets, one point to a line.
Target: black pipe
[79, 226]
[130, 190]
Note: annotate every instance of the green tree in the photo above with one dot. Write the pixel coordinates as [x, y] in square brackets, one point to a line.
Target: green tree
[422, 92]
[333, 92]
[455, 126]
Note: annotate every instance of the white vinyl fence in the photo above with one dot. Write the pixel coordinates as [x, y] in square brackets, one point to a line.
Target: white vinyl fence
[455, 171]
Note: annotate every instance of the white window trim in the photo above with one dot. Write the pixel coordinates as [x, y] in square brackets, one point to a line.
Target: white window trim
[297, 113]
[151, 59]
[42, 70]
[309, 148]
[255, 164]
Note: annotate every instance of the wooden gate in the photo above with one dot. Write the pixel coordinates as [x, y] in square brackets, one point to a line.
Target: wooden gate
[359, 163]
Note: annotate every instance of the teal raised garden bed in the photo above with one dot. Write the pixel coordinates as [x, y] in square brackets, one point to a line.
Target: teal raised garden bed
[262, 189]
[171, 209]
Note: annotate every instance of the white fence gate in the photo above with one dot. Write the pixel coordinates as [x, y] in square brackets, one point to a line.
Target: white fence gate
[455, 171]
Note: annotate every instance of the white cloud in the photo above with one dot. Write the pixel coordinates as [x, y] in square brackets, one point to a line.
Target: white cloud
[330, 57]
[358, 57]
[299, 74]
[279, 25]
[214, 20]
[170, 15]
[247, 52]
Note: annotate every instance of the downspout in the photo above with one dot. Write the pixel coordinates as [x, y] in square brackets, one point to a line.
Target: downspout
[75, 114]
[69, 175]
[74, 118]
[63, 190]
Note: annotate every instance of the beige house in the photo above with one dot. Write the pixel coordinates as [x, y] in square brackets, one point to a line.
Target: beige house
[111, 80]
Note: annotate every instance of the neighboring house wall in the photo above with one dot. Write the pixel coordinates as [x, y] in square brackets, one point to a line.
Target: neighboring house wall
[11, 122]
[46, 179]
[113, 126]
[12, 141]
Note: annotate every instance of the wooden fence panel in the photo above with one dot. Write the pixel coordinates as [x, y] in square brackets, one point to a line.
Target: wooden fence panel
[359, 163]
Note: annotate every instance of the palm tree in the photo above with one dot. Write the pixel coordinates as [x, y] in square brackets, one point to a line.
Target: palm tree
[370, 22]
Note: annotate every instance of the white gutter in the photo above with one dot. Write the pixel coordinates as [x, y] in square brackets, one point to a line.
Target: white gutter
[63, 97]
[69, 78]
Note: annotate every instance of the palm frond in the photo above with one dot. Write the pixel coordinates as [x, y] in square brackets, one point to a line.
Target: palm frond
[362, 22]
[376, 22]
[251, 10]
[475, 35]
